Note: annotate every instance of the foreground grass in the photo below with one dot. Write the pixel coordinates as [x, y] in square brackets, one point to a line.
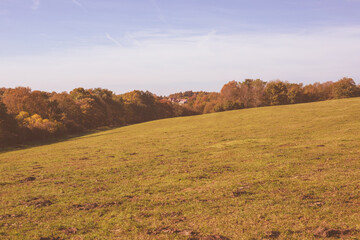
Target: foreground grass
[286, 172]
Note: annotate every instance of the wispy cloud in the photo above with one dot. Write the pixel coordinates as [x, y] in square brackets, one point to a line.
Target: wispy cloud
[160, 14]
[130, 38]
[79, 4]
[113, 40]
[35, 4]
[168, 63]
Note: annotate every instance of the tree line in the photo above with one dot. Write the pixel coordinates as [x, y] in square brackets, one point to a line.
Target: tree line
[257, 93]
[27, 115]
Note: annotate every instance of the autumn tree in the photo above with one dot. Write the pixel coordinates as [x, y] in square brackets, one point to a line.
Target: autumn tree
[257, 92]
[230, 91]
[295, 93]
[71, 114]
[39, 127]
[139, 106]
[252, 92]
[16, 99]
[345, 88]
[92, 108]
[27, 115]
[318, 91]
[34, 102]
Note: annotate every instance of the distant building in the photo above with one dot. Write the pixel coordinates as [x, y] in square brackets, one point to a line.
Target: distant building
[182, 101]
[178, 101]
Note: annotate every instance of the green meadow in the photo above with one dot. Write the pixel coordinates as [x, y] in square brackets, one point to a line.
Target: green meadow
[282, 172]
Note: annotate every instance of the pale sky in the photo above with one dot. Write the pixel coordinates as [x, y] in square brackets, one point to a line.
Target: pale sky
[167, 46]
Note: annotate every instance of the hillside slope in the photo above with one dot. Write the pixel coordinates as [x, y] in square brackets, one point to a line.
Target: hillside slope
[286, 172]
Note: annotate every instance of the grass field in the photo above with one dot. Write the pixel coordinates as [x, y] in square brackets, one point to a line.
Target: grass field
[284, 172]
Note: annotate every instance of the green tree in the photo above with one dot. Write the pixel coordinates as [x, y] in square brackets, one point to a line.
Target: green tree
[8, 127]
[276, 93]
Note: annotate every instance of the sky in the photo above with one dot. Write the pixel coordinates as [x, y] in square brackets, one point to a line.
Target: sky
[167, 46]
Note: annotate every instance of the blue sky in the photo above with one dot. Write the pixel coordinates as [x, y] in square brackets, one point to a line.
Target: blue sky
[175, 45]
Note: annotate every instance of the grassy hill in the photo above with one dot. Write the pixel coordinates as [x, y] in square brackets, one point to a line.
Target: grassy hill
[285, 172]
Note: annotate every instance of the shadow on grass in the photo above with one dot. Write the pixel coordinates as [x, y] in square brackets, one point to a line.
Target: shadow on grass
[44, 142]
[87, 134]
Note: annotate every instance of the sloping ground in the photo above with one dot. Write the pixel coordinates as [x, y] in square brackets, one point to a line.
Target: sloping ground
[286, 172]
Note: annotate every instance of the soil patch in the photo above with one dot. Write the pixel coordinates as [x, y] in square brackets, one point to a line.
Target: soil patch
[51, 238]
[240, 192]
[28, 179]
[331, 232]
[210, 237]
[10, 216]
[38, 202]
[193, 235]
[69, 231]
[167, 230]
[272, 234]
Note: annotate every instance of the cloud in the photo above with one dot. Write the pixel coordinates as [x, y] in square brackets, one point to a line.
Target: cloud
[113, 40]
[165, 62]
[131, 40]
[78, 3]
[35, 4]
[160, 14]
